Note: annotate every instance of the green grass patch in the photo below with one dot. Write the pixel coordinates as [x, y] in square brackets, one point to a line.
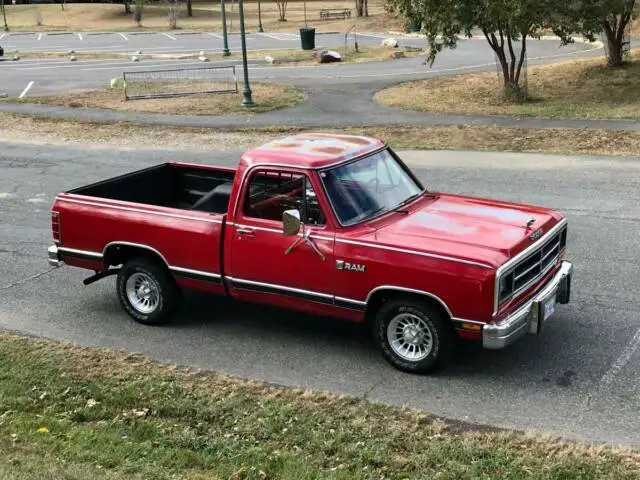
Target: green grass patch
[71, 412]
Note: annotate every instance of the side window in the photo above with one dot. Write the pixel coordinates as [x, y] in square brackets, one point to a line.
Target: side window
[271, 193]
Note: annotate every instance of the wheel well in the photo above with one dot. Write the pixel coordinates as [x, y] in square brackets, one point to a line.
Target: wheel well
[382, 296]
[118, 254]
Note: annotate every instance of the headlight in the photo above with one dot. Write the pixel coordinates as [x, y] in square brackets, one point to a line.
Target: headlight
[505, 287]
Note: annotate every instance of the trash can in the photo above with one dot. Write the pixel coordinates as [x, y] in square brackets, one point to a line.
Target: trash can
[308, 38]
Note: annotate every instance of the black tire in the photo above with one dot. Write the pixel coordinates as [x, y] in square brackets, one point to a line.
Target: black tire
[436, 353]
[160, 280]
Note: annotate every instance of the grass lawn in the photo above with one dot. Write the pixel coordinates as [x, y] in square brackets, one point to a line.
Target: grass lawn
[284, 57]
[577, 89]
[80, 413]
[206, 16]
[267, 97]
[547, 140]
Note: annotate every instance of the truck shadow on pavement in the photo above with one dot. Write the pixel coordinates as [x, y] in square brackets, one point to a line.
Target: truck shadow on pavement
[273, 330]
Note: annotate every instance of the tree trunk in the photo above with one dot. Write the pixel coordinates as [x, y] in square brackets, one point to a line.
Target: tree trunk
[282, 10]
[511, 65]
[137, 15]
[613, 29]
[127, 7]
[359, 8]
[366, 8]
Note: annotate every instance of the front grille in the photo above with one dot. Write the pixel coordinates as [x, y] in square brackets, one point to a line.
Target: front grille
[531, 268]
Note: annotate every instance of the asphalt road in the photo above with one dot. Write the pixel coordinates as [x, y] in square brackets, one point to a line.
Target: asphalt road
[43, 77]
[579, 379]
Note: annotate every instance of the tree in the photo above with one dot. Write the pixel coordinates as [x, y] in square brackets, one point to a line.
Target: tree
[189, 9]
[173, 13]
[282, 9]
[610, 18]
[502, 22]
[127, 7]
[137, 14]
[362, 8]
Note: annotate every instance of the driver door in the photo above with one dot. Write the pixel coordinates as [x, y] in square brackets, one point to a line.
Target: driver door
[261, 270]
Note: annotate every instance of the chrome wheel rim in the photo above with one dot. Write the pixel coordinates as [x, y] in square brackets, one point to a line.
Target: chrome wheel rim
[410, 337]
[143, 293]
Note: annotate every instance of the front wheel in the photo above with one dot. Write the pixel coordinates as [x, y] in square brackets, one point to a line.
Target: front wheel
[147, 292]
[413, 336]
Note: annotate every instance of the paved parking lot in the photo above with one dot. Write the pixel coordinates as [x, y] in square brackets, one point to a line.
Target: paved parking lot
[174, 42]
[49, 76]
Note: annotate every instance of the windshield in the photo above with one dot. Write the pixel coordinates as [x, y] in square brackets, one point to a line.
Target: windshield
[369, 187]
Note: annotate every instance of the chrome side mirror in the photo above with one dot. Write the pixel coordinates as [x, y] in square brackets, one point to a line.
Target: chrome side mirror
[291, 222]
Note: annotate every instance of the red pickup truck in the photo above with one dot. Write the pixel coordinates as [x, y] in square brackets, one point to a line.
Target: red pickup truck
[329, 224]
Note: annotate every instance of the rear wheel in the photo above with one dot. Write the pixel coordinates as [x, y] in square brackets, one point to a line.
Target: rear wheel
[413, 336]
[147, 292]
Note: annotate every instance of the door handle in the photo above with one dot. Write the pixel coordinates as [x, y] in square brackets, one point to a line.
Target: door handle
[246, 231]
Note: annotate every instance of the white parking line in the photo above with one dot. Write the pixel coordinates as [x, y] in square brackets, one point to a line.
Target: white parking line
[278, 36]
[215, 35]
[622, 360]
[373, 35]
[26, 89]
[2, 35]
[295, 36]
[39, 36]
[123, 36]
[80, 36]
[168, 36]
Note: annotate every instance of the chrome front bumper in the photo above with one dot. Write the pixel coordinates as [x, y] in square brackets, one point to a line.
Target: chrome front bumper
[530, 317]
[54, 258]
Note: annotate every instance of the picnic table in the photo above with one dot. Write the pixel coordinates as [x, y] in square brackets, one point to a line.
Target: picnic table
[329, 13]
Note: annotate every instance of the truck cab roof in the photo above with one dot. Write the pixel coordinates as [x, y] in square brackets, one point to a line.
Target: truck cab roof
[312, 150]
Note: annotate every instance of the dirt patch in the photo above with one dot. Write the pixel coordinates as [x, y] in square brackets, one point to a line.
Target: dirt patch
[281, 57]
[578, 89]
[542, 140]
[267, 97]
[206, 16]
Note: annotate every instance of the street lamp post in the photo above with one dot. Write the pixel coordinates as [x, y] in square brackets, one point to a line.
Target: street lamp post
[4, 15]
[260, 29]
[246, 92]
[225, 48]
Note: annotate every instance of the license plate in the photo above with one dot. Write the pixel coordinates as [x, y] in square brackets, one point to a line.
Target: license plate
[549, 307]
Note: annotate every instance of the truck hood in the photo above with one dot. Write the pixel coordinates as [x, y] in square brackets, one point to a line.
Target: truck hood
[469, 228]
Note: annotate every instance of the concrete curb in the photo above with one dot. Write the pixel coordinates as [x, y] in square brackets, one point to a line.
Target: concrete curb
[597, 43]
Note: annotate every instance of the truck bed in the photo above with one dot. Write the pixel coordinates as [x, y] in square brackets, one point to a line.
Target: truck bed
[169, 185]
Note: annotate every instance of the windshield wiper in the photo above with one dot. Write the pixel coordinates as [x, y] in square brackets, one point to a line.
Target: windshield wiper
[396, 208]
[412, 198]
[408, 200]
[377, 210]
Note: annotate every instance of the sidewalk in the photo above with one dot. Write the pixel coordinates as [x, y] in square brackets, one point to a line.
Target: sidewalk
[322, 109]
